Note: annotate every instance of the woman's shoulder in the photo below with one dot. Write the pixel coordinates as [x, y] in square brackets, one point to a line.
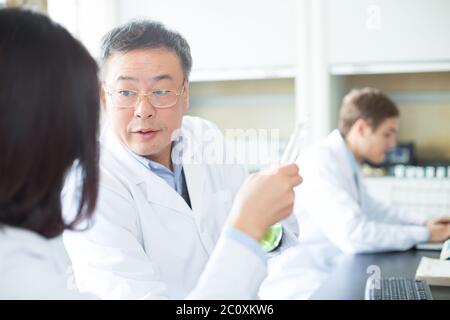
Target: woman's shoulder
[33, 267]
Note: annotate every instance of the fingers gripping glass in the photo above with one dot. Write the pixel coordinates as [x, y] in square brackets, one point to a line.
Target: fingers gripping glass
[159, 98]
[272, 237]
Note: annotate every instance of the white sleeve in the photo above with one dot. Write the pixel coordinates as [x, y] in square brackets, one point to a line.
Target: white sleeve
[233, 272]
[108, 259]
[326, 199]
[382, 211]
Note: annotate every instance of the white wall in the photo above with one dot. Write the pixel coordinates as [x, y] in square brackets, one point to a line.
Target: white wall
[87, 20]
[227, 35]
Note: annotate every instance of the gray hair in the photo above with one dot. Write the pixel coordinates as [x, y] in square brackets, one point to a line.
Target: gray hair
[142, 34]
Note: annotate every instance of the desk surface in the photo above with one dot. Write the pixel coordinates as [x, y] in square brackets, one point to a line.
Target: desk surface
[348, 280]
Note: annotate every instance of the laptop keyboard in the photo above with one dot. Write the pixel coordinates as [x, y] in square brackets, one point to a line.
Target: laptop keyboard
[395, 288]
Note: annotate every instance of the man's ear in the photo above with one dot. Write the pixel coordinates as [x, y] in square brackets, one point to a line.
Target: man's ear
[361, 127]
[102, 97]
[185, 95]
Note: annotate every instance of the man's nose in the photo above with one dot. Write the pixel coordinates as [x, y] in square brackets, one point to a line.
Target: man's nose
[144, 109]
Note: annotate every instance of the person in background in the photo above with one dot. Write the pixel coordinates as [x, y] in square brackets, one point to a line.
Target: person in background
[49, 118]
[336, 213]
[334, 207]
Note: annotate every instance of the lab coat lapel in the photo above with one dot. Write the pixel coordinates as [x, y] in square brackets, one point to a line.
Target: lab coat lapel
[195, 168]
[157, 190]
[160, 193]
[195, 180]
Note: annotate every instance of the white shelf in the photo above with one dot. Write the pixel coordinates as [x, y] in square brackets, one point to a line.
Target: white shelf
[247, 100]
[242, 74]
[386, 68]
[420, 97]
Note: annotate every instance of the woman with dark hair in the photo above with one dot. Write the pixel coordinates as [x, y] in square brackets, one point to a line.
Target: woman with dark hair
[49, 115]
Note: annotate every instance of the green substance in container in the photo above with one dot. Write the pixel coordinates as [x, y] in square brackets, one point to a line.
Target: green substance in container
[272, 237]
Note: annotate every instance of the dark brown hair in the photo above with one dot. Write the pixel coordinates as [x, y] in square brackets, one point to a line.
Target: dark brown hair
[368, 104]
[49, 113]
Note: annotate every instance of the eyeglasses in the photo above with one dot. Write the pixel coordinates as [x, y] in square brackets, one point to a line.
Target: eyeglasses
[159, 98]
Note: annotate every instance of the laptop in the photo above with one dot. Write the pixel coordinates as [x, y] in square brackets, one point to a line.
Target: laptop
[397, 288]
[430, 246]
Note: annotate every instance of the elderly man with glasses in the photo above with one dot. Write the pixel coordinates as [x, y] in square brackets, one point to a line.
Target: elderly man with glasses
[164, 197]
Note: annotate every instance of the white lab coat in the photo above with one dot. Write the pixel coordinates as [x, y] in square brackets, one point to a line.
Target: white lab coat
[298, 272]
[33, 267]
[333, 213]
[335, 218]
[145, 241]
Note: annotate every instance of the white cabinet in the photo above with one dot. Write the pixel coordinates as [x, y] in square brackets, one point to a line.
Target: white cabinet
[388, 32]
[231, 39]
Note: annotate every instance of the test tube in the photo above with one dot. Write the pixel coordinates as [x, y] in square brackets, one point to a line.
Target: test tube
[294, 145]
[272, 237]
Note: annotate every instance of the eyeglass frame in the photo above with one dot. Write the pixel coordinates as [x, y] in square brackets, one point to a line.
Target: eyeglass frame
[139, 95]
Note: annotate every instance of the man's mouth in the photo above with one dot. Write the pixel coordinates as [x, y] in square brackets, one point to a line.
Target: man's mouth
[146, 133]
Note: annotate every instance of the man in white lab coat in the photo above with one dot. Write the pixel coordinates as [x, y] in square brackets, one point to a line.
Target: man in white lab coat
[335, 213]
[166, 181]
[333, 206]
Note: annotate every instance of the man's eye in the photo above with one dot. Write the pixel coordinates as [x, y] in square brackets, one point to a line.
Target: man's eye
[160, 92]
[126, 93]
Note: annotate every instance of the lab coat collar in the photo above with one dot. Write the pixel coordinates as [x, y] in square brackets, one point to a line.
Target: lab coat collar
[337, 143]
[351, 158]
[157, 190]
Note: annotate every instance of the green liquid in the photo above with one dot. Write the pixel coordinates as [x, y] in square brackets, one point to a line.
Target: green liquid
[271, 238]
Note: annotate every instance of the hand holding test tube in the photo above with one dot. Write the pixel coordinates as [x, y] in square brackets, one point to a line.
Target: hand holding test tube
[272, 237]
